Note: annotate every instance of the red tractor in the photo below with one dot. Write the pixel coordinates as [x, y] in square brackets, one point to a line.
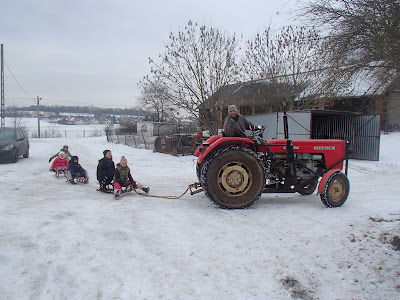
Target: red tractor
[234, 172]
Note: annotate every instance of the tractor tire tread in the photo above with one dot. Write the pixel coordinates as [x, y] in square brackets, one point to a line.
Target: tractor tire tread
[325, 196]
[215, 155]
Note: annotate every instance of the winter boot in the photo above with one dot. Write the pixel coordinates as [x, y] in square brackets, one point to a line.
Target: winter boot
[72, 181]
[146, 190]
[117, 193]
[103, 188]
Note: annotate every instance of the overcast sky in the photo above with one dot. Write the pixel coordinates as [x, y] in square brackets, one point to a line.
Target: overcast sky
[94, 52]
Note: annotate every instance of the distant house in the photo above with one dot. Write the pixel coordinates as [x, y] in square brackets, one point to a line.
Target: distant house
[65, 121]
[105, 120]
[250, 97]
[79, 122]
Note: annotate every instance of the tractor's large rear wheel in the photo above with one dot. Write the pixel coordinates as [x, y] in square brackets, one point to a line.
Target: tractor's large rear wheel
[336, 190]
[233, 177]
[198, 170]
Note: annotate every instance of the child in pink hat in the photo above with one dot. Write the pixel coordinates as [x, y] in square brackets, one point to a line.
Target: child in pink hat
[123, 178]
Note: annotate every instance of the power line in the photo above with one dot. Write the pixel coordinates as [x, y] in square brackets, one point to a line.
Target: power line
[17, 81]
[18, 98]
[57, 100]
[283, 7]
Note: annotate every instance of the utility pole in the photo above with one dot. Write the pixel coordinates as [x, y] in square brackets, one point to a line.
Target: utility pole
[38, 116]
[2, 87]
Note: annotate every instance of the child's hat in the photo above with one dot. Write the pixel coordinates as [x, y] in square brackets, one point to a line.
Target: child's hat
[105, 152]
[123, 159]
[61, 154]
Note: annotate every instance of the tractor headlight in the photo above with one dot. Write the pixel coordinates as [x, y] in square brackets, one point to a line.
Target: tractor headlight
[9, 147]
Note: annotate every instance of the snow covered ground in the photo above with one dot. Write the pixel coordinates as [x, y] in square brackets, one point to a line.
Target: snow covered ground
[63, 241]
[48, 129]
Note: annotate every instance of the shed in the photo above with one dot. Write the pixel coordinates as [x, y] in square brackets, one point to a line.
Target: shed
[363, 132]
[148, 128]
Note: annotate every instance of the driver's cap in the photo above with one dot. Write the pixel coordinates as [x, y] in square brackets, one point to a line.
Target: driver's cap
[232, 108]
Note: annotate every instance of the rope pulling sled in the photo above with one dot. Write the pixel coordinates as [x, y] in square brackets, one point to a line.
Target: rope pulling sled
[196, 186]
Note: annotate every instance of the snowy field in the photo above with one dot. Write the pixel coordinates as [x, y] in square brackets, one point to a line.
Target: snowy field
[48, 129]
[63, 241]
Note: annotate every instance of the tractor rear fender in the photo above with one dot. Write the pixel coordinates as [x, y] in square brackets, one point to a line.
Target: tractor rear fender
[324, 179]
[222, 143]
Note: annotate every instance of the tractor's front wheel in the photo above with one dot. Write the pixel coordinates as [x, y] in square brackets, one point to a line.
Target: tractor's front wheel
[233, 177]
[336, 190]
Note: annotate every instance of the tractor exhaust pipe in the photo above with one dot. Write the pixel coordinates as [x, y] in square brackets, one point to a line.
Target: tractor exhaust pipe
[285, 120]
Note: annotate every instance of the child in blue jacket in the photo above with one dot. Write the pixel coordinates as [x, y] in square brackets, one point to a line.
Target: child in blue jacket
[75, 170]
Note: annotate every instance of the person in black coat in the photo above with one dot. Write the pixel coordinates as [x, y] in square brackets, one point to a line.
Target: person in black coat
[105, 170]
[75, 170]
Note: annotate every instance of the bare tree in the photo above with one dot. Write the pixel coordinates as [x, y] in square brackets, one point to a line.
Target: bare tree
[155, 99]
[285, 60]
[363, 37]
[21, 124]
[198, 61]
[53, 131]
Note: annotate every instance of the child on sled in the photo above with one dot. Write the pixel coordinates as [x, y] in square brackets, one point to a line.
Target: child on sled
[123, 178]
[60, 164]
[66, 152]
[76, 172]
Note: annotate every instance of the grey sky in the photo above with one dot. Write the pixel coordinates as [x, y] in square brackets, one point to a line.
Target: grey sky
[94, 52]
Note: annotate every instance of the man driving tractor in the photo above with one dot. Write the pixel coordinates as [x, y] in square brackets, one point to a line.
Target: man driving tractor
[235, 125]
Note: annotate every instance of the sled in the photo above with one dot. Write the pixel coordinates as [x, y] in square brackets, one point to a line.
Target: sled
[79, 180]
[60, 173]
[111, 191]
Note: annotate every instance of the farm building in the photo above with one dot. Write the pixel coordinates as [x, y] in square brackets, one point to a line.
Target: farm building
[362, 96]
[363, 132]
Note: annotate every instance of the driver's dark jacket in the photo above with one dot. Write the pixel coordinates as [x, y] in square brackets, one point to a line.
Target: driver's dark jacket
[236, 127]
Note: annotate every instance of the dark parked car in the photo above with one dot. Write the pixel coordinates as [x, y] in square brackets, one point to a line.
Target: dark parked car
[13, 144]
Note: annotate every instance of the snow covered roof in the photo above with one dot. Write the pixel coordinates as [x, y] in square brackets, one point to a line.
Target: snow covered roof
[365, 84]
